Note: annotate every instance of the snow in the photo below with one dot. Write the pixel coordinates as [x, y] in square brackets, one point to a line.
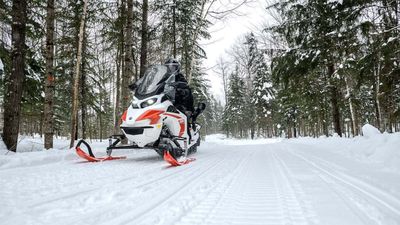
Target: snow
[370, 131]
[264, 181]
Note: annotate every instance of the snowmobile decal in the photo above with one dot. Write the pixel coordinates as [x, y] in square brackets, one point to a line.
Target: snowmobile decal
[181, 123]
[153, 115]
[123, 117]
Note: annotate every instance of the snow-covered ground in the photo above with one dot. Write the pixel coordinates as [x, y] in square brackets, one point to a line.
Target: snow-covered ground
[269, 181]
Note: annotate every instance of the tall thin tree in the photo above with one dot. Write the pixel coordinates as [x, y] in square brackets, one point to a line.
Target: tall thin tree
[145, 38]
[49, 81]
[75, 90]
[12, 100]
[128, 68]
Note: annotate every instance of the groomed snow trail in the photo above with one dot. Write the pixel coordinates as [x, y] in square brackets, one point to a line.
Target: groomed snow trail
[277, 183]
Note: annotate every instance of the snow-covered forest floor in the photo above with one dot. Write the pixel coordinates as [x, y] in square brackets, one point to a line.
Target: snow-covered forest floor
[267, 181]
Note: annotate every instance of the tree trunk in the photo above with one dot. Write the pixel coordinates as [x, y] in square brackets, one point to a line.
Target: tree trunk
[49, 81]
[352, 113]
[128, 68]
[75, 91]
[83, 101]
[145, 39]
[117, 96]
[12, 100]
[376, 89]
[334, 102]
[174, 28]
[120, 69]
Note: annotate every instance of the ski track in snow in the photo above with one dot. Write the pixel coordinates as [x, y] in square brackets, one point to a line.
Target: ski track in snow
[279, 183]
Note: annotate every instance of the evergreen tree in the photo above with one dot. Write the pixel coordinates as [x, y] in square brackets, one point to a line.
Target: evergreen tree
[234, 112]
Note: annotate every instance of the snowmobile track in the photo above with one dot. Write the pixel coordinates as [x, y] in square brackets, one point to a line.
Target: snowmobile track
[364, 196]
[282, 183]
[130, 218]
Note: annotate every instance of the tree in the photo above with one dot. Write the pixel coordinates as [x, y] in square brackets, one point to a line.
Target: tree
[234, 112]
[127, 74]
[49, 79]
[74, 114]
[12, 102]
[145, 38]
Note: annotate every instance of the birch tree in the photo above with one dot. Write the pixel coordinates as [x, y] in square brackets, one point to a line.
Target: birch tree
[75, 91]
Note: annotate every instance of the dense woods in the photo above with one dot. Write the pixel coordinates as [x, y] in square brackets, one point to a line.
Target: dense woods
[321, 68]
[318, 68]
[66, 65]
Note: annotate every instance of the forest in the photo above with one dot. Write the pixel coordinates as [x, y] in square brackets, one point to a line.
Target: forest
[315, 68]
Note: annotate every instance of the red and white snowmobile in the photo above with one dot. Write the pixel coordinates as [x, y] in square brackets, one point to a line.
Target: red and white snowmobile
[152, 121]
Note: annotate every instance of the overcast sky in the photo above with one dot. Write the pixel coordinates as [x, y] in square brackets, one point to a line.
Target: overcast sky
[225, 33]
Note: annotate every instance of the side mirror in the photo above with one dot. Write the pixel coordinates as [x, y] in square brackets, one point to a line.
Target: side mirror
[201, 106]
[132, 87]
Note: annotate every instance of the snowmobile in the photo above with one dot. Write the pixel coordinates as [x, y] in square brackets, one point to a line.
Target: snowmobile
[152, 121]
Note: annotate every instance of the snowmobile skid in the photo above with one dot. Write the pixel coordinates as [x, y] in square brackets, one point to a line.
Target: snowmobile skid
[164, 150]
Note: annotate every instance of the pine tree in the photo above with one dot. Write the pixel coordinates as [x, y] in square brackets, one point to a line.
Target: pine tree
[234, 112]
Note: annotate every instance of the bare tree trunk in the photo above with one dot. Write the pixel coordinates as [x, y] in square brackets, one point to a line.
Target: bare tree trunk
[352, 113]
[12, 99]
[83, 102]
[120, 68]
[377, 103]
[174, 28]
[223, 67]
[117, 96]
[49, 81]
[145, 39]
[83, 96]
[128, 69]
[334, 103]
[75, 91]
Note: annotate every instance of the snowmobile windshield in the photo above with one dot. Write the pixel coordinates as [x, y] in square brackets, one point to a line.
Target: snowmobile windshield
[152, 81]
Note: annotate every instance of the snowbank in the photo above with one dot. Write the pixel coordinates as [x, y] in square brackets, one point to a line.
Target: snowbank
[370, 131]
[31, 152]
[374, 147]
[381, 150]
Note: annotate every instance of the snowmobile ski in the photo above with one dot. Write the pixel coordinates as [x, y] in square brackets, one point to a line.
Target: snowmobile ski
[173, 162]
[90, 157]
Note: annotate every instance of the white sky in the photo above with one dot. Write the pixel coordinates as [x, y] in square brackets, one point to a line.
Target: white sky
[225, 33]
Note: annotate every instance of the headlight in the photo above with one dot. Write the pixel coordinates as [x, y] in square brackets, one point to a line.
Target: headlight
[148, 102]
